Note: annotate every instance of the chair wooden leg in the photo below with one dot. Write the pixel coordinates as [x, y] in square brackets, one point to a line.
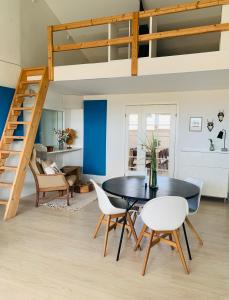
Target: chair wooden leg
[171, 239]
[116, 223]
[181, 254]
[147, 253]
[98, 225]
[192, 228]
[68, 204]
[106, 235]
[129, 220]
[72, 190]
[37, 199]
[133, 221]
[144, 227]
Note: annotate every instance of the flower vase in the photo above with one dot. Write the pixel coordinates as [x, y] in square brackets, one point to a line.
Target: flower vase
[61, 145]
[153, 171]
[153, 179]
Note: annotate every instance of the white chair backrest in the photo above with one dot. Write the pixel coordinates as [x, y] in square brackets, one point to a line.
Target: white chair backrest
[165, 213]
[104, 203]
[198, 182]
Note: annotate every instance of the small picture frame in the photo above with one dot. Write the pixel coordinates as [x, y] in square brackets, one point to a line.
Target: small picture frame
[195, 124]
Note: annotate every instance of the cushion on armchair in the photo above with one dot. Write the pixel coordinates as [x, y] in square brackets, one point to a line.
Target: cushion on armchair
[50, 167]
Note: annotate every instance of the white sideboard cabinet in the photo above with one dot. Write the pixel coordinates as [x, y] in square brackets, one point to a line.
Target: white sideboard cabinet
[211, 166]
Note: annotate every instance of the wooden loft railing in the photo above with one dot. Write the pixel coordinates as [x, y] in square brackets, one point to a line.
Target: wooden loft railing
[134, 38]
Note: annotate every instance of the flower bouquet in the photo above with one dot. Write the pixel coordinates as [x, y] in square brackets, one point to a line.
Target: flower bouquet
[62, 137]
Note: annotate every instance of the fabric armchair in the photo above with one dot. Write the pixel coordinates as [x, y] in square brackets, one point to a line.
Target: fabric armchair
[47, 183]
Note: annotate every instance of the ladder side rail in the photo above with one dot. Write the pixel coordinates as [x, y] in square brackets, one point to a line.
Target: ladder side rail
[17, 187]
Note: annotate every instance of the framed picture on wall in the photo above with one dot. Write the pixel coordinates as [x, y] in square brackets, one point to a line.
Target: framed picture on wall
[195, 124]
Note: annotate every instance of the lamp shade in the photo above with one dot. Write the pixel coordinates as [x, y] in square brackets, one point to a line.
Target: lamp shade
[220, 135]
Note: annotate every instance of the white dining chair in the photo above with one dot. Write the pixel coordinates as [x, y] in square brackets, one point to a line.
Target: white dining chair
[112, 208]
[194, 204]
[163, 216]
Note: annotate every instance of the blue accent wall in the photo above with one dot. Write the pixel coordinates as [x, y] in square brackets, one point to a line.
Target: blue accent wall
[6, 97]
[95, 127]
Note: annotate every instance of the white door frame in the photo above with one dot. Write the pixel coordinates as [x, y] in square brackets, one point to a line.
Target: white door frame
[142, 110]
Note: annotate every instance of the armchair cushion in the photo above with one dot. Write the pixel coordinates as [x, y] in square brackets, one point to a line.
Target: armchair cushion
[52, 182]
[50, 167]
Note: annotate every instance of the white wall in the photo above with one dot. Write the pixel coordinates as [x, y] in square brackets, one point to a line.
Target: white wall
[10, 55]
[36, 17]
[74, 120]
[193, 103]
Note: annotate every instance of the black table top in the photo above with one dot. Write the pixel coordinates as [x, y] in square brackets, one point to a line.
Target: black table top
[133, 187]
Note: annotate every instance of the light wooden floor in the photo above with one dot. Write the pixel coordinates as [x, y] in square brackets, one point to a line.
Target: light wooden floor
[47, 255]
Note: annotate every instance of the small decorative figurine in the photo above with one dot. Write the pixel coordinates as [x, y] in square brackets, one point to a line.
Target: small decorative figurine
[221, 116]
[211, 147]
[210, 125]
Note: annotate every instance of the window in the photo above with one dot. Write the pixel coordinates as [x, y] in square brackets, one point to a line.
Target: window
[50, 119]
[133, 122]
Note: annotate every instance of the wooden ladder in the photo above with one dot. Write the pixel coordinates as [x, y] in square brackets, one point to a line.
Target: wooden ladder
[38, 79]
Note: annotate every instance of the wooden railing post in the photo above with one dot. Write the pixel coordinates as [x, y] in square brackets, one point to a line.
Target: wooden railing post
[134, 52]
[50, 53]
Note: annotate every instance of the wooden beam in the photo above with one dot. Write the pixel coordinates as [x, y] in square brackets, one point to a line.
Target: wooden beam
[182, 7]
[92, 44]
[184, 32]
[50, 53]
[134, 52]
[93, 22]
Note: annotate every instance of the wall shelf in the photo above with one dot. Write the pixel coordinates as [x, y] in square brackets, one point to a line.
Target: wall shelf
[57, 151]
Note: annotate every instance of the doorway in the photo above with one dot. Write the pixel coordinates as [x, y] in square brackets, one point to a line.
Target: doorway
[143, 124]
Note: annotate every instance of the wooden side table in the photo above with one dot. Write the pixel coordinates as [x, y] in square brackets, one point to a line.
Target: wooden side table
[72, 170]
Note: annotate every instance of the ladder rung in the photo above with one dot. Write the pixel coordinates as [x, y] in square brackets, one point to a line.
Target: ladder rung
[30, 82]
[19, 123]
[26, 95]
[9, 152]
[8, 168]
[5, 185]
[14, 137]
[23, 108]
[3, 202]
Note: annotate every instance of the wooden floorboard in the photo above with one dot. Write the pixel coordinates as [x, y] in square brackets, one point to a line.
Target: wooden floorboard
[47, 254]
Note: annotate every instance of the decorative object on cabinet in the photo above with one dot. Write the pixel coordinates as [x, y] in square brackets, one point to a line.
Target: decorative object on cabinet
[195, 124]
[211, 147]
[222, 135]
[72, 135]
[210, 125]
[220, 116]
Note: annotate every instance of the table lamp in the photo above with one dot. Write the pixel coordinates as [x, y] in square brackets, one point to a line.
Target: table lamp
[222, 135]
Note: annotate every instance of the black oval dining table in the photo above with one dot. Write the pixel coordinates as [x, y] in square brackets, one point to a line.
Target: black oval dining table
[135, 189]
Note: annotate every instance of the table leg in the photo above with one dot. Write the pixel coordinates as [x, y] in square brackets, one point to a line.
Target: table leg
[123, 226]
[186, 240]
[121, 238]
